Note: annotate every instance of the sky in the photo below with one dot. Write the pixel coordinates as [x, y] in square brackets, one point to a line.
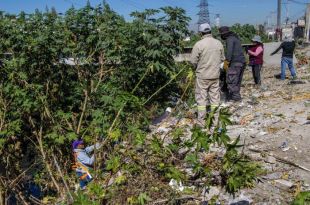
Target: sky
[231, 11]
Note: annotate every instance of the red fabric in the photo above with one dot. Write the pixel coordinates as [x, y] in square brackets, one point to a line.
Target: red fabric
[256, 60]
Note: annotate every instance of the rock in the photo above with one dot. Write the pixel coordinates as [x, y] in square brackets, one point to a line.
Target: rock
[285, 149]
[283, 184]
[262, 133]
[273, 176]
[209, 193]
[267, 94]
[164, 116]
[183, 150]
[271, 160]
[255, 156]
[256, 95]
[241, 200]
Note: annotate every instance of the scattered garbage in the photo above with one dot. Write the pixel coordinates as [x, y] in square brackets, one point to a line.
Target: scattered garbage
[262, 133]
[162, 117]
[176, 185]
[243, 202]
[163, 130]
[284, 146]
[242, 199]
[261, 114]
[283, 184]
[295, 82]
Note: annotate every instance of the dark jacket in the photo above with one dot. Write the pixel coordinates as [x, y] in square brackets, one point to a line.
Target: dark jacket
[234, 52]
[288, 49]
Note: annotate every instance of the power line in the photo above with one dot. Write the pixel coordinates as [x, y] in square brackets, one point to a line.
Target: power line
[170, 3]
[133, 4]
[299, 14]
[72, 3]
[298, 2]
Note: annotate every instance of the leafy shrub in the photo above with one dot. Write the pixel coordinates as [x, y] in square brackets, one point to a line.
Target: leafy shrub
[90, 74]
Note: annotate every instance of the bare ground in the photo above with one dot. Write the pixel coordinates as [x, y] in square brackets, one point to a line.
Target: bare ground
[268, 118]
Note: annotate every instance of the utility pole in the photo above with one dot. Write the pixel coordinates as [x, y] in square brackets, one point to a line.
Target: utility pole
[287, 13]
[217, 20]
[204, 15]
[279, 13]
[307, 28]
[278, 30]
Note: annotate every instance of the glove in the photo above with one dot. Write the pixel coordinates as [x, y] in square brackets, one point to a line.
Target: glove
[226, 65]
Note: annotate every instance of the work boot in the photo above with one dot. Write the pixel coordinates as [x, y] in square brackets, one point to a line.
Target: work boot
[277, 76]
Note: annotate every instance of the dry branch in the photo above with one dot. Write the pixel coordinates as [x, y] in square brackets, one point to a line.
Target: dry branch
[285, 161]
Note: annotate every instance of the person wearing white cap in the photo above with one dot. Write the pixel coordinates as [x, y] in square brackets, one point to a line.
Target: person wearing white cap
[207, 57]
[256, 54]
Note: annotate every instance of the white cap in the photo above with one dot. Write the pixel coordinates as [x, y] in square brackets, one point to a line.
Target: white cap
[288, 37]
[205, 27]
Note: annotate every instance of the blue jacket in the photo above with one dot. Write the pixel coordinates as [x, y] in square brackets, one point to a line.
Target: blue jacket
[83, 155]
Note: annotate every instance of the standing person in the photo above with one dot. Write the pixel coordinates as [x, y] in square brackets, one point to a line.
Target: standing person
[288, 47]
[207, 56]
[83, 161]
[256, 54]
[234, 63]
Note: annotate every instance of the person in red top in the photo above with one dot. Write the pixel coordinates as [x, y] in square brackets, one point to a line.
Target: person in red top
[256, 54]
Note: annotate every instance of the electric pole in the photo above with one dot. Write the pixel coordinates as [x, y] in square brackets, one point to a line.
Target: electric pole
[307, 28]
[278, 31]
[287, 13]
[279, 13]
[204, 15]
[217, 20]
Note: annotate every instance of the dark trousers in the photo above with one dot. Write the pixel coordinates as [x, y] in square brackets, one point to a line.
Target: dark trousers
[234, 79]
[256, 70]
